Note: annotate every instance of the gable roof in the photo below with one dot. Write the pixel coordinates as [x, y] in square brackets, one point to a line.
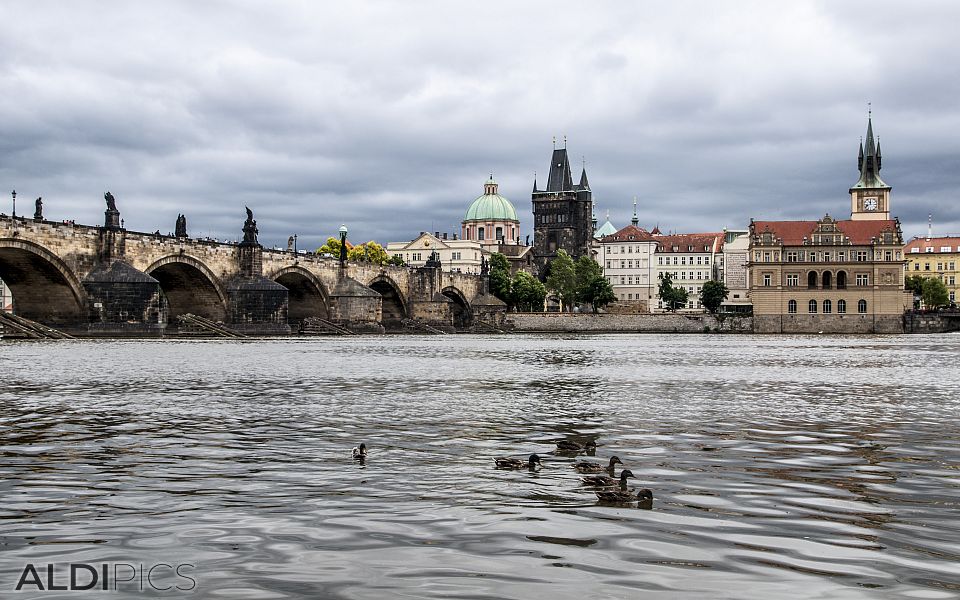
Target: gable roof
[681, 242]
[922, 243]
[792, 233]
[630, 233]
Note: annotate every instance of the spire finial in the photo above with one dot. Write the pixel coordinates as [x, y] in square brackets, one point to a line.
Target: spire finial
[554, 142]
[869, 109]
[564, 141]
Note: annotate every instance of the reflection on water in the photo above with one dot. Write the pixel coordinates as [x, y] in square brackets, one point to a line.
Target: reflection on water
[821, 467]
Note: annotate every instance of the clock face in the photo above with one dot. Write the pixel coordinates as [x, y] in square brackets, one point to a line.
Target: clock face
[869, 204]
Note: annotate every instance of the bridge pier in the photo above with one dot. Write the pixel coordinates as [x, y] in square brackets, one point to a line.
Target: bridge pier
[355, 306]
[255, 305]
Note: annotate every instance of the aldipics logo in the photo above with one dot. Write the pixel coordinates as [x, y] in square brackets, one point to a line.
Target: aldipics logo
[115, 577]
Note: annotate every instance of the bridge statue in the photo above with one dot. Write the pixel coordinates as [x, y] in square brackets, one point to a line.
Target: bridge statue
[112, 215]
[250, 230]
[181, 228]
[111, 202]
[38, 213]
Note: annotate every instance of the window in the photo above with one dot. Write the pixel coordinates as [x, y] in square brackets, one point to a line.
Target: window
[812, 280]
[699, 260]
[888, 255]
[863, 279]
[939, 266]
[792, 307]
[793, 280]
[766, 280]
[622, 280]
[623, 264]
[629, 249]
[792, 256]
[862, 306]
[659, 260]
[683, 260]
[766, 257]
[841, 307]
[812, 307]
[950, 266]
[609, 262]
[456, 256]
[916, 266]
[841, 280]
[827, 307]
[951, 280]
[706, 260]
[861, 256]
[827, 280]
[499, 233]
[841, 256]
[480, 233]
[826, 257]
[813, 257]
[926, 266]
[416, 256]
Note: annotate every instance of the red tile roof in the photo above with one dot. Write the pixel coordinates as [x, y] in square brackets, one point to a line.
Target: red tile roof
[701, 242]
[922, 243]
[630, 233]
[793, 232]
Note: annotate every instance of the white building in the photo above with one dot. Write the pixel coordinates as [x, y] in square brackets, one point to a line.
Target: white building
[456, 255]
[626, 257]
[733, 269]
[691, 259]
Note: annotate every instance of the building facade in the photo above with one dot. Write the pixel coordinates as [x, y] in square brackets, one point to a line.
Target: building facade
[832, 276]
[627, 259]
[733, 270]
[691, 259]
[6, 298]
[455, 255]
[935, 257]
[562, 214]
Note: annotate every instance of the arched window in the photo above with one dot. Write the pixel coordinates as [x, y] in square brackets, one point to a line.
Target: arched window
[792, 307]
[841, 304]
[812, 280]
[827, 279]
[862, 306]
[827, 307]
[812, 307]
[841, 280]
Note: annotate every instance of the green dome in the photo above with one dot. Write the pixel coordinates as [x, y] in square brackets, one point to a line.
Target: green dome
[491, 206]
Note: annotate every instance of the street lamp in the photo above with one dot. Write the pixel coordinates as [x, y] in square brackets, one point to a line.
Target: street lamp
[343, 245]
[14, 194]
[295, 243]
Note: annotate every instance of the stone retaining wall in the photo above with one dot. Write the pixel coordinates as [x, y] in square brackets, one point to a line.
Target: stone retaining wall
[607, 323]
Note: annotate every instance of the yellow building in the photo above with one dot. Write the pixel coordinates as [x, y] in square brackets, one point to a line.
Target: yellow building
[832, 276]
[935, 257]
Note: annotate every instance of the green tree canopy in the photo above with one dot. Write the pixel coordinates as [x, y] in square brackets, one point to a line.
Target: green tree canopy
[914, 283]
[587, 271]
[370, 252]
[934, 293]
[672, 297]
[599, 293]
[500, 283]
[396, 261]
[562, 279]
[527, 292]
[332, 246]
[712, 295]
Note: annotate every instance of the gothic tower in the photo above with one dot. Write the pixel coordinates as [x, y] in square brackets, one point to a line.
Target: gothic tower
[561, 213]
[870, 196]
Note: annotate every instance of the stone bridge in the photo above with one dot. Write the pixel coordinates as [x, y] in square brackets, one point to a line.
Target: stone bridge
[110, 281]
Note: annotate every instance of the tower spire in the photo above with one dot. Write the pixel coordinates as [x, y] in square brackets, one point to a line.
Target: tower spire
[634, 221]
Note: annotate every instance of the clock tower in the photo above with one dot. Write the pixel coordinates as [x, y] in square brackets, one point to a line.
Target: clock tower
[870, 196]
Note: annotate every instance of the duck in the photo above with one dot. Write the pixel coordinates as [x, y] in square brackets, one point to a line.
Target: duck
[568, 446]
[586, 466]
[360, 453]
[604, 481]
[533, 463]
[643, 496]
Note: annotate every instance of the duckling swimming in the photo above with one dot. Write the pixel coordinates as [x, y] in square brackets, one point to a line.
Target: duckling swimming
[604, 481]
[644, 496]
[533, 463]
[586, 466]
[360, 453]
[568, 446]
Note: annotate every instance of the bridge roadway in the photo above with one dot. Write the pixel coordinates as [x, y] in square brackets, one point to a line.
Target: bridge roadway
[109, 281]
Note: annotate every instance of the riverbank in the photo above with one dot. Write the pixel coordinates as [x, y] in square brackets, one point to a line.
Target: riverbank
[614, 323]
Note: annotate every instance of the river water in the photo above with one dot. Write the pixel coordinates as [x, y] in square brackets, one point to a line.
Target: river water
[781, 467]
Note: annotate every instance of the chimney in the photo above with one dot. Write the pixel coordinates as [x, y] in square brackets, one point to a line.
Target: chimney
[444, 235]
[454, 236]
[436, 234]
[929, 226]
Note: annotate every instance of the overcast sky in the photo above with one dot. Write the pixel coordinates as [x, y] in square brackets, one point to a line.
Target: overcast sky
[389, 116]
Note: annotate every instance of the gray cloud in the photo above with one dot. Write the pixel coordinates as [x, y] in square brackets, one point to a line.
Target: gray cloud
[389, 117]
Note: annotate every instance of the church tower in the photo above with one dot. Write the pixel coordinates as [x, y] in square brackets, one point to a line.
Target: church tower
[870, 196]
[562, 213]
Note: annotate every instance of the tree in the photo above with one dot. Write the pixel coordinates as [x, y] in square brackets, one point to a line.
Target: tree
[562, 279]
[672, 297]
[599, 293]
[587, 271]
[396, 260]
[332, 246]
[527, 292]
[712, 295]
[370, 252]
[934, 293]
[914, 283]
[500, 278]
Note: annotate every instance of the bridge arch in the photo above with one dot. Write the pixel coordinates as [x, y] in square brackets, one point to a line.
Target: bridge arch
[190, 287]
[462, 312]
[308, 296]
[44, 288]
[394, 303]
